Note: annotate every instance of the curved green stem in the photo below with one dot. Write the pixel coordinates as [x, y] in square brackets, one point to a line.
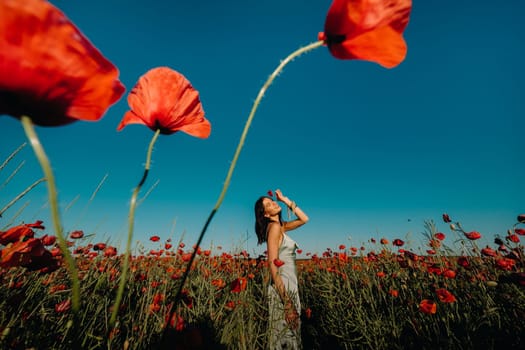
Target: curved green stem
[29, 129]
[131, 220]
[226, 184]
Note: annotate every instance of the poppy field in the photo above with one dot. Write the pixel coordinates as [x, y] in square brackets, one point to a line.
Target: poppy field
[63, 289]
[382, 295]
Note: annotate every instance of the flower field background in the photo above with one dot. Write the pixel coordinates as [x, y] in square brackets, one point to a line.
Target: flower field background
[383, 296]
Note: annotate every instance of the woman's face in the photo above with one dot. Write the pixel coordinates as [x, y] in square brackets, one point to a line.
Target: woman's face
[271, 207]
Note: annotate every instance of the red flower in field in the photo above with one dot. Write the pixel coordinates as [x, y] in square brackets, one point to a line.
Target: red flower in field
[342, 247]
[218, 283]
[15, 234]
[176, 321]
[154, 238]
[164, 99]
[270, 193]
[398, 243]
[505, 263]
[513, 238]
[520, 231]
[487, 251]
[308, 313]
[48, 240]
[76, 234]
[167, 246]
[440, 236]
[239, 284]
[367, 30]
[110, 251]
[428, 306]
[278, 262]
[22, 253]
[393, 293]
[463, 261]
[521, 218]
[63, 306]
[37, 224]
[99, 246]
[431, 252]
[299, 251]
[449, 273]
[445, 296]
[182, 245]
[446, 218]
[473, 235]
[384, 241]
[49, 71]
[373, 240]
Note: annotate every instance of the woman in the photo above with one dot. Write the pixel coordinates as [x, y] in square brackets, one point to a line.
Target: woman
[284, 303]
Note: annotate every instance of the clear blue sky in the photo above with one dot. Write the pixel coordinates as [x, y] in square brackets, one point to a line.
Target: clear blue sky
[365, 151]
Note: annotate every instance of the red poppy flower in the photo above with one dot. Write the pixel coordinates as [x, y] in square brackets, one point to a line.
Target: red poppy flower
[99, 246]
[487, 251]
[520, 231]
[446, 218]
[367, 30]
[278, 262]
[154, 238]
[384, 241]
[342, 247]
[428, 306]
[110, 251]
[15, 234]
[445, 296]
[473, 235]
[48, 240]
[76, 234]
[440, 236]
[49, 70]
[22, 253]
[513, 238]
[239, 284]
[398, 243]
[37, 224]
[63, 306]
[164, 99]
[463, 261]
[521, 218]
[270, 193]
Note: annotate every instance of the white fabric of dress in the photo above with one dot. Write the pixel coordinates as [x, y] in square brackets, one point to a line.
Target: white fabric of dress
[281, 335]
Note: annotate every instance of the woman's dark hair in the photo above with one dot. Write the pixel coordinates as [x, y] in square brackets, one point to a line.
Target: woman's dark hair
[261, 221]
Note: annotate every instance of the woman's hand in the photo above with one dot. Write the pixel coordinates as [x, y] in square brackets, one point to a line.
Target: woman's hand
[280, 197]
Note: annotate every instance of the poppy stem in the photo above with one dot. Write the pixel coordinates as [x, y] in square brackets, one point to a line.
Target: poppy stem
[29, 129]
[131, 219]
[268, 82]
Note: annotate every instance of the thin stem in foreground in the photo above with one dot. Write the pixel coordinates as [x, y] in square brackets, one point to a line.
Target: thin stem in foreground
[131, 220]
[226, 184]
[29, 129]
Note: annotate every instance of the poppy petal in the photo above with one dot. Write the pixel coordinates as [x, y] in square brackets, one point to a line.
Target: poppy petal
[164, 99]
[369, 30]
[49, 70]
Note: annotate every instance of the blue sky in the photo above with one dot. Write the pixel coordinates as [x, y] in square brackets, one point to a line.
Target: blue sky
[365, 151]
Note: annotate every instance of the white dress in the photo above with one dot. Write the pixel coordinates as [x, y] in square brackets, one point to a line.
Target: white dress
[281, 335]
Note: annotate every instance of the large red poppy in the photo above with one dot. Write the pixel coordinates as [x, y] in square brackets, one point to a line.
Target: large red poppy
[49, 70]
[370, 30]
[164, 99]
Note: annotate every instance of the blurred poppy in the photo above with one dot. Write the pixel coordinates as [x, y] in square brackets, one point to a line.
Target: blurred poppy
[463, 261]
[154, 238]
[398, 243]
[49, 70]
[270, 193]
[48, 240]
[520, 231]
[446, 218]
[428, 306]
[384, 241]
[76, 234]
[164, 99]
[21, 253]
[99, 246]
[278, 262]
[110, 251]
[487, 251]
[15, 234]
[239, 284]
[342, 247]
[63, 306]
[473, 235]
[367, 30]
[37, 224]
[521, 218]
[513, 238]
[445, 296]
[440, 236]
